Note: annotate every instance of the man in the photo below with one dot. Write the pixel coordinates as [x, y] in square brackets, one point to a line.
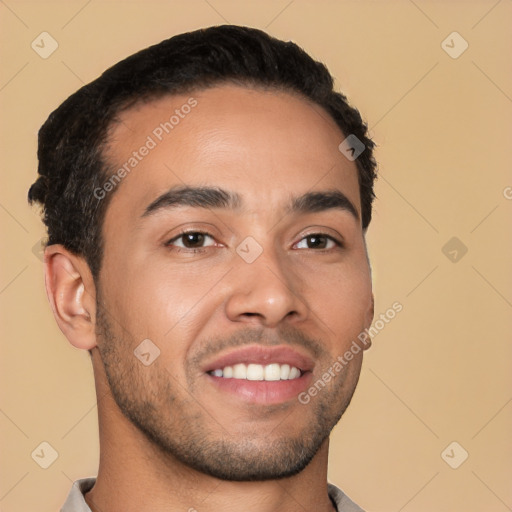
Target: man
[206, 215]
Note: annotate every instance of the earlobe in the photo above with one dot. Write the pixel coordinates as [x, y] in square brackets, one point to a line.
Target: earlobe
[71, 293]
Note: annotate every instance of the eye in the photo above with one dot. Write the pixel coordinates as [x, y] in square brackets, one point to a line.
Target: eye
[190, 240]
[319, 241]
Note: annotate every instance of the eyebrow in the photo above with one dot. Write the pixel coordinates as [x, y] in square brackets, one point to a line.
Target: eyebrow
[215, 197]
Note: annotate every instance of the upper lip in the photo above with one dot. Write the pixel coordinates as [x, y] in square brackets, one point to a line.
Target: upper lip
[261, 355]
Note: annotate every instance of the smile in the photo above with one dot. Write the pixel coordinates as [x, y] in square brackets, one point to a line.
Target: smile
[258, 374]
[269, 372]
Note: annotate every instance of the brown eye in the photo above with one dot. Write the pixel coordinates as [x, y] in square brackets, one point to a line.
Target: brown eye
[190, 240]
[318, 241]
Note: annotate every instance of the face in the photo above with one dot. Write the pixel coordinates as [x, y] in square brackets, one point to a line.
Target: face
[250, 307]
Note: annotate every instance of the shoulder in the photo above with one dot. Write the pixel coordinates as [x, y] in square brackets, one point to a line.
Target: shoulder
[342, 501]
[75, 501]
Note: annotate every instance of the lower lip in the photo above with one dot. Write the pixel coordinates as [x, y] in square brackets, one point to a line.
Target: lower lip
[262, 391]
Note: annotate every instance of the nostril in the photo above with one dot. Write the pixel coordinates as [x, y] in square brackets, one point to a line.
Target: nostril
[250, 313]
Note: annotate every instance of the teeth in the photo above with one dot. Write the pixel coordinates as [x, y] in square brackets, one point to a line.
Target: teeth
[294, 373]
[255, 372]
[270, 372]
[239, 371]
[285, 371]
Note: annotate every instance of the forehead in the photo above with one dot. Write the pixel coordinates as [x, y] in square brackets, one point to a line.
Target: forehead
[263, 144]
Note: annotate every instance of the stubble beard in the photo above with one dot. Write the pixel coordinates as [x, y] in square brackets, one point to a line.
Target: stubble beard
[180, 428]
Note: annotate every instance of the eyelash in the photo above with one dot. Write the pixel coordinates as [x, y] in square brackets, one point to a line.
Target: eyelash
[187, 249]
[196, 250]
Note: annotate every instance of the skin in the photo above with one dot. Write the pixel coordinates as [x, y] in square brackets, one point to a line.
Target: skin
[266, 146]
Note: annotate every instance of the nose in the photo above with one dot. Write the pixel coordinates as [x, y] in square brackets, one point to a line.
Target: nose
[266, 292]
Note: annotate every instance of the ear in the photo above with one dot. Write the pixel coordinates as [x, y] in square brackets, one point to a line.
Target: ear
[368, 323]
[370, 313]
[72, 295]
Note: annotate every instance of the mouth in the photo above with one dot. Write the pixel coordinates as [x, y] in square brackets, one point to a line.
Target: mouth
[271, 372]
[261, 375]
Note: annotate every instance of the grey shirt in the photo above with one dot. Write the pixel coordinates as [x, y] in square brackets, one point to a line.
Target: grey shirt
[76, 501]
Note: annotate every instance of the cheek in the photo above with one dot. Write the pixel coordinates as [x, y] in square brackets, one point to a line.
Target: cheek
[341, 294]
[167, 304]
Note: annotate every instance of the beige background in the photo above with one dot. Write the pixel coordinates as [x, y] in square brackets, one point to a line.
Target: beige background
[439, 372]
